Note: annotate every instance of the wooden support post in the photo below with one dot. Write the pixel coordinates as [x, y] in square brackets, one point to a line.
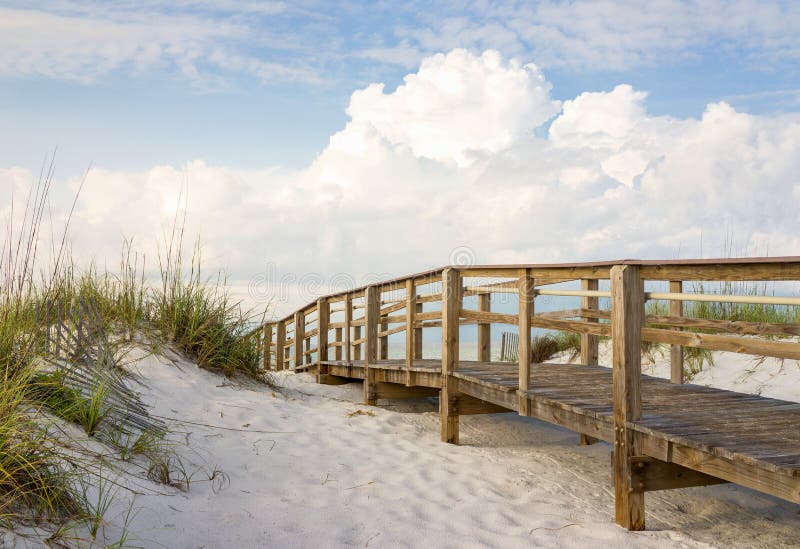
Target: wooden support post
[299, 337]
[448, 398]
[485, 329]
[267, 349]
[627, 316]
[590, 344]
[280, 341]
[676, 351]
[526, 295]
[323, 318]
[348, 318]
[371, 313]
[411, 313]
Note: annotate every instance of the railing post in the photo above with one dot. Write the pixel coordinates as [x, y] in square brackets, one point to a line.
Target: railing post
[384, 341]
[411, 313]
[371, 314]
[627, 316]
[526, 295]
[357, 348]
[299, 336]
[589, 342]
[348, 319]
[485, 329]
[267, 349]
[676, 351]
[280, 341]
[417, 335]
[337, 352]
[451, 310]
[323, 317]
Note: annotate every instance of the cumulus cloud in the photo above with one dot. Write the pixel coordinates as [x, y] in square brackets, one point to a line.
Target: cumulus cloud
[456, 105]
[450, 160]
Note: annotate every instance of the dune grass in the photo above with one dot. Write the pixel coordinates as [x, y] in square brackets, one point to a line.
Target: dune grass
[62, 336]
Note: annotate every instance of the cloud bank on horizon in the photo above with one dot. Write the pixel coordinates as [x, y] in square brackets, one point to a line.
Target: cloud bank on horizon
[472, 152]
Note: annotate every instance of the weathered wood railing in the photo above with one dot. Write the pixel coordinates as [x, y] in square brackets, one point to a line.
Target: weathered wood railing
[355, 325]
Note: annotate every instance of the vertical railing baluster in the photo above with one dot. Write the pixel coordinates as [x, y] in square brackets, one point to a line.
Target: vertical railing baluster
[526, 295]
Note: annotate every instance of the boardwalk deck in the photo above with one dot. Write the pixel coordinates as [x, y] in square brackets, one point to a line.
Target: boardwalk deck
[713, 425]
[664, 434]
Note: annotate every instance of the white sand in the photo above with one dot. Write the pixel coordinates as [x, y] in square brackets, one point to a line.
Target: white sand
[326, 479]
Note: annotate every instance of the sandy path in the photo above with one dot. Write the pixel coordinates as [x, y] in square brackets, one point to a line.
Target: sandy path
[383, 479]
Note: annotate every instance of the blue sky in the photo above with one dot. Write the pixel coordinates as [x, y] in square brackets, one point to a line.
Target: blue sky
[129, 110]
[517, 131]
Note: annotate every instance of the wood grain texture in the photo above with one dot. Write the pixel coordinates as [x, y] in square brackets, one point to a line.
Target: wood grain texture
[371, 315]
[676, 351]
[323, 317]
[451, 306]
[484, 329]
[589, 343]
[525, 289]
[299, 335]
[627, 316]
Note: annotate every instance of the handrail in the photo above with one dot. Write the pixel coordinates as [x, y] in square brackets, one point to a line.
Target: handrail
[744, 269]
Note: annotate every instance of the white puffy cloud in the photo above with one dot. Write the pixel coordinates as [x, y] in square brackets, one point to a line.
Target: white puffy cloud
[457, 106]
[450, 160]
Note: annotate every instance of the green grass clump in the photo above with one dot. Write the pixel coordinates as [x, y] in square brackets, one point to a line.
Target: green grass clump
[201, 319]
[33, 482]
[50, 390]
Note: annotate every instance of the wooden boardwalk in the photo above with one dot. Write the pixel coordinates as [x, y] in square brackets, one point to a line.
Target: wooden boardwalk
[665, 434]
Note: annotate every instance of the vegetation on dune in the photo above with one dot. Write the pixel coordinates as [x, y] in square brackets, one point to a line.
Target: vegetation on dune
[63, 342]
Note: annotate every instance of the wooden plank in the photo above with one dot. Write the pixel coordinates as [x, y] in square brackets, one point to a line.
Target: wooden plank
[451, 305]
[393, 308]
[337, 352]
[676, 351]
[579, 326]
[468, 405]
[348, 318]
[722, 271]
[383, 335]
[371, 308]
[394, 390]
[779, 485]
[589, 342]
[323, 317]
[525, 289]
[733, 344]
[299, 334]
[651, 474]
[487, 316]
[280, 339]
[730, 326]
[627, 316]
[267, 349]
[411, 333]
[357, 342]
[485, 329]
